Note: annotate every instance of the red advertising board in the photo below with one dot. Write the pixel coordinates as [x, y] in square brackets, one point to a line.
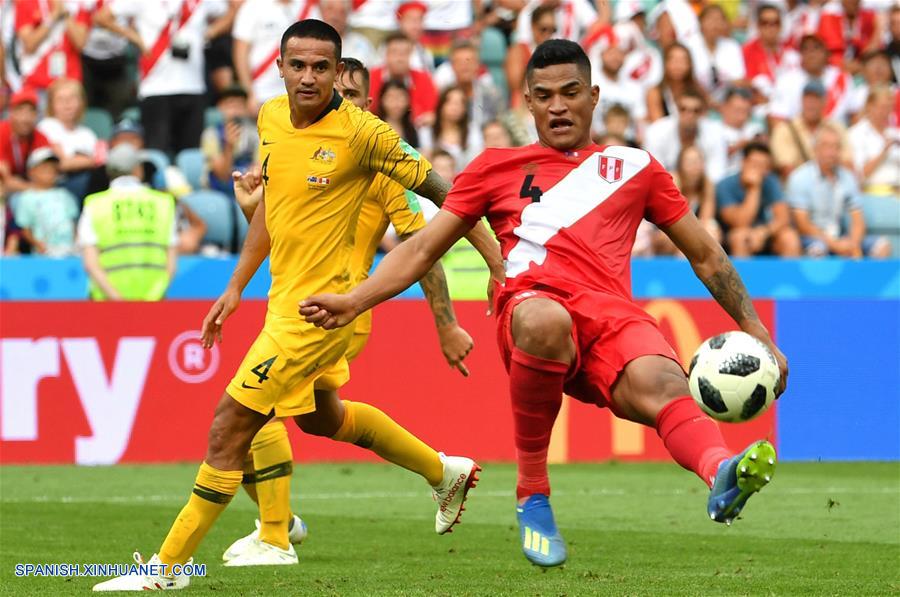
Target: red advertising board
[128, 382]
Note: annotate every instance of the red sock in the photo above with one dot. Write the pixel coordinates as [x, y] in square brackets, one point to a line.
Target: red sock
[536, 388]
[692, 438]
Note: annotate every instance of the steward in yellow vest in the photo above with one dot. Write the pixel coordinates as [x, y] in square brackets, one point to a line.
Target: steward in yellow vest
[128, 234]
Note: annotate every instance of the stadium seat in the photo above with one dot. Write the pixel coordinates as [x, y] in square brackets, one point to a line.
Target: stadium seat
[193, 164]
[882, 216]
[493, 55]
[99, 121]
[222, 216]
[157, 156]
[211, 117]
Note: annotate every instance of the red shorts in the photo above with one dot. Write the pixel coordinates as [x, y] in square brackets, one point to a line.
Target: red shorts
[609, 332]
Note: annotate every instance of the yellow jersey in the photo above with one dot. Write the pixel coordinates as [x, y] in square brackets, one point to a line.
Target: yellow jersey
[315, 180]
[387, 202]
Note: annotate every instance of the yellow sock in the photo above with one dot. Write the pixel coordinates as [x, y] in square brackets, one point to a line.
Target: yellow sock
[369, 428]
[274, 462]
[248, 481]
[213, 489]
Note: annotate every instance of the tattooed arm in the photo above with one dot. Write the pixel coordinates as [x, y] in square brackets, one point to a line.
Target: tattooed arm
[715, 270]
[455, 341]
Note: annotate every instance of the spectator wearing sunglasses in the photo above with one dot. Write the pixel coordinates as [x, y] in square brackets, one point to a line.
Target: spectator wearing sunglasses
[665, 137]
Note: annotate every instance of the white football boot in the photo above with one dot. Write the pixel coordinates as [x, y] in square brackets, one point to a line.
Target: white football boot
[296, 534]
[260, 553]
[460, 475]
[140, 582]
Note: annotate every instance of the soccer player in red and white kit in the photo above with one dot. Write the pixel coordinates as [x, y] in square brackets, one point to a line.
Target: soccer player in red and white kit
[565, 211]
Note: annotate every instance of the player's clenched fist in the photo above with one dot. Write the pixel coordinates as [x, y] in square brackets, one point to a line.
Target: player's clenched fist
[329, 311]
[221, 309]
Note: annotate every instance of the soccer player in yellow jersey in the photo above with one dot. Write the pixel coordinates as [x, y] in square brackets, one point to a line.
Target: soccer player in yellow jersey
[267, 471]
[320, 154]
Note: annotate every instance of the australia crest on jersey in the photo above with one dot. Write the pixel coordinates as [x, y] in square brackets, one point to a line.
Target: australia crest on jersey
[610, 168]
[323, 154]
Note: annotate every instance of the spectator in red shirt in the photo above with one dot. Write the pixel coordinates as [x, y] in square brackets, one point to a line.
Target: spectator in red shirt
[767, 54]
[50, 35]
[849, 31]
[18, 138]
[397, 54]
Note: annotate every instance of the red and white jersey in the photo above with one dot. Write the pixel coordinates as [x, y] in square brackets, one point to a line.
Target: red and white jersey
[566, 220]
[573, 18]
[260, 23]
[788, 93]
[56, 56]
[161, 23]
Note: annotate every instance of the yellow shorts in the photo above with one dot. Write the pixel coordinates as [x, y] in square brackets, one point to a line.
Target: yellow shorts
[287, 361]
[329, 381]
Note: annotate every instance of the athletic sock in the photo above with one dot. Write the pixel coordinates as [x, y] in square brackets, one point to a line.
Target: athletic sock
[248, 481]
[274, 463]
[536, 389]
[213, 489]
[369, 428]
[693, 439]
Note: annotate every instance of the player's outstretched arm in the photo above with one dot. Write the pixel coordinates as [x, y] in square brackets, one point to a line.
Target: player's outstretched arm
[434, 187]
[715, 270]
[255, 249]
[399, 269]
[455, 341]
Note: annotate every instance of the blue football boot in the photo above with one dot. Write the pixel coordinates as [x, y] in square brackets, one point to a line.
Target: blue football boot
[541, 542]
[738, 478]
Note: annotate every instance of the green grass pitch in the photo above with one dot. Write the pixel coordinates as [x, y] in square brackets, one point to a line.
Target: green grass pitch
[632, 529]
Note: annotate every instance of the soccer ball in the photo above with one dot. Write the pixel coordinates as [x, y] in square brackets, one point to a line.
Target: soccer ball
[733, 377]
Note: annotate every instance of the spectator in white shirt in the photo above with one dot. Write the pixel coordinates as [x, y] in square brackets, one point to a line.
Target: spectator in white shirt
[354, 45]
[876, 71]
[376, 19]
[718, 59]
[876, 146]
[464, 70]
[665, 137]
[76, 145]
[172, 35]
[256, 35]
[615, 88]
[737, 126]
[446, 22]
[789, 85]
[574, 19]
[824, 196]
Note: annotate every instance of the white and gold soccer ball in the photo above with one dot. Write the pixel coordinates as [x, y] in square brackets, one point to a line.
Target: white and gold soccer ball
[733, 377]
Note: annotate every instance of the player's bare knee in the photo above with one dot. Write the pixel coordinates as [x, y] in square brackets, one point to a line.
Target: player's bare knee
[647, 385]
[543, 327]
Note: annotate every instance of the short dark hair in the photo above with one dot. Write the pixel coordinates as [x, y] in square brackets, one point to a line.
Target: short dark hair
[764, 7]
[559, 51]
[353, 66]
[462, 44]
[756, 146]
[539, 13]
[617, 110]
[812, 38]
[396, 36]
[314, 29]
[876, 53]
[695, 93]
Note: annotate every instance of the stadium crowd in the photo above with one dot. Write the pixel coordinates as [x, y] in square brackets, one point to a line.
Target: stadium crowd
[778, 121]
